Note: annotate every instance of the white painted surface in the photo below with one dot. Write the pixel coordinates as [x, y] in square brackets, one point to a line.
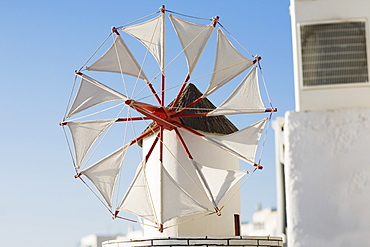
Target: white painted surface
[206, 154]
[327, 171]
[331, 96]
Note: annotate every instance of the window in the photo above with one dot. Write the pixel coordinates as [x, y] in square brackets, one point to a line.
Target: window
[334, 53]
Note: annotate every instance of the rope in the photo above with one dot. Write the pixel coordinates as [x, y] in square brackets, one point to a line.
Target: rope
[95, 113]
[135, 221]
[96, 195]
[120, 67]
[102, 137]
[190, 16]
[187, 173]
[70, 150]
[264, 138]
[95, 52]
[250, 174]
[130, 23]
[186, 221]
[70, 98]
[245, 49]
[183, 50]
[264, 84]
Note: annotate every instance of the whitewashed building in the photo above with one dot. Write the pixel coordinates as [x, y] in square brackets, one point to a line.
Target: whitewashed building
[323, 161]
[94, 240]
[263, 223]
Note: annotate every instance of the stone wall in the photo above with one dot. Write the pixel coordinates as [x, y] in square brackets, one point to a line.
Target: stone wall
[237, 241]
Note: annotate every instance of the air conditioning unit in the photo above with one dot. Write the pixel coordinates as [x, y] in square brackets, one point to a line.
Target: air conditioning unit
[330, 55]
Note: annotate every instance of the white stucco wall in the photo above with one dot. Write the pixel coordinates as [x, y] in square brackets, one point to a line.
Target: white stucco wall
[327, 172]
[204, 153]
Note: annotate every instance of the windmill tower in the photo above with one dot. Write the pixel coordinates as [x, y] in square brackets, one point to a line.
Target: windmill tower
[323, 168]
[205, 153]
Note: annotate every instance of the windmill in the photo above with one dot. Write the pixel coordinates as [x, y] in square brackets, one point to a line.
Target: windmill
[187, 180]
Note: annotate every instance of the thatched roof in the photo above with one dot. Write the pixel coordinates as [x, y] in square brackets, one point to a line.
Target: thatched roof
[214, 124]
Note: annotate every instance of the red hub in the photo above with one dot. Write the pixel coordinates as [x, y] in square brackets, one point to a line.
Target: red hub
[161, 115]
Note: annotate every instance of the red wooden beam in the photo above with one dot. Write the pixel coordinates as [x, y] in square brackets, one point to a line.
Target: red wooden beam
[183, 144]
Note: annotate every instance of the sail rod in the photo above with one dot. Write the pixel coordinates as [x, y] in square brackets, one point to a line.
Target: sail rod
[163, 89]
[153, 92]
[197, 169]
[180, 92]
[152, 148]
[132, 119]
[148, 132]
[161, 131]
[163, 9]
[183, 144]
[199, 114]
[190, 105]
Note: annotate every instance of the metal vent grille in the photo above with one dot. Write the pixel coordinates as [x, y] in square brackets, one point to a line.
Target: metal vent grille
[334, 53]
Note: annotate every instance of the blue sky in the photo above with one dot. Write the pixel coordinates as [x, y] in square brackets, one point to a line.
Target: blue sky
[41, 44]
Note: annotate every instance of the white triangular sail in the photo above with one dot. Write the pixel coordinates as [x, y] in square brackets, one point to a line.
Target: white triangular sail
[84, 134]
[150, 34]
[176, 202]
[118, 59]
[103, 174]
[228, 64]
[245, 99]
[193, 38]
[91, 93]
[137, 199]
[219, 181]
[242, 143]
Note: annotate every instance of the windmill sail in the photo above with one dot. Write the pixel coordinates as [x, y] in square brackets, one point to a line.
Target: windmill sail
[245, 99]
[137, 199]
[150, 34]
[176, 202]
[84, 134]
[219, 181]
[242, 143]
[228, 64]
[103, 174]
[91, 93]
[193, 38]
[119, 59]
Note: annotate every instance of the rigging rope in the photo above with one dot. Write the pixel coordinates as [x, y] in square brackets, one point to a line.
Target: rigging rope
[120, 27]
[194, 17]
[70, 150]
[70, 98]
[186, 221]
[95, 52]
[235, 39]
[264, 84]
[250, 174]
[96, 195]
[264, 138]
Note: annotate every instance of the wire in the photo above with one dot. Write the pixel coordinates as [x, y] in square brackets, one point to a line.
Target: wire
[95, 52]
[96, 195]
[235, 39]
[70, 98]
[190, 16]
[120, 27]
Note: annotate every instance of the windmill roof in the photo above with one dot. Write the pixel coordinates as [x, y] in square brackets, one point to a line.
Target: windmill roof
[212, 124]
